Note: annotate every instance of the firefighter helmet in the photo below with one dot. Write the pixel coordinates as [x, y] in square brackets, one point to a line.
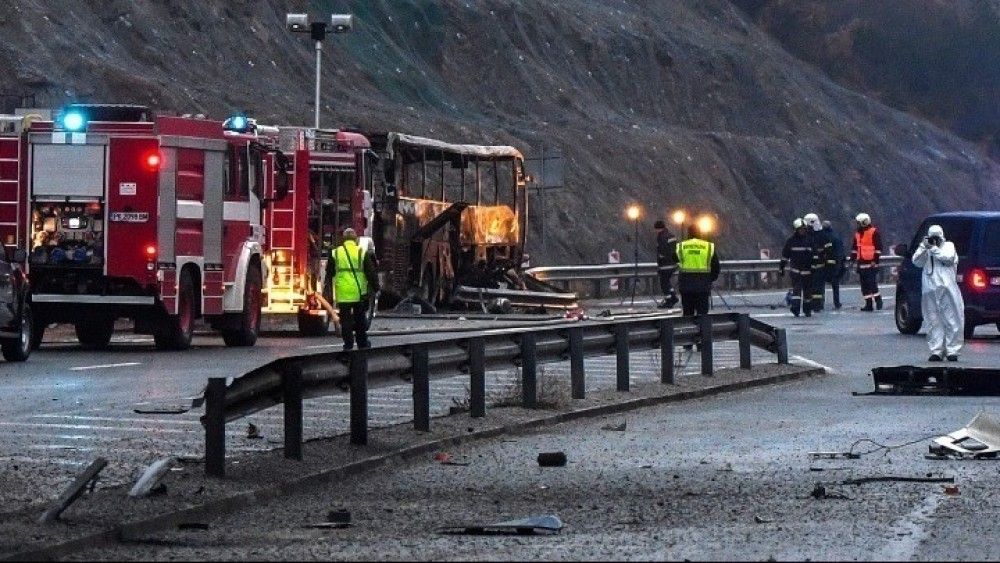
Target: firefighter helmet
[863, 219]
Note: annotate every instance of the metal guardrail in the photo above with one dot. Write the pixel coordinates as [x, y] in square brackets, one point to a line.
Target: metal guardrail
[292, 379]
[648, 269]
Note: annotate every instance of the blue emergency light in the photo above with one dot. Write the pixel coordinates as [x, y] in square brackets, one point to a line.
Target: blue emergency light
[74, 121]
[236, 123]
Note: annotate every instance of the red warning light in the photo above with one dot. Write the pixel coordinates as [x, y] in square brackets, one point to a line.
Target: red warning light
[152, 161]
[151, 251]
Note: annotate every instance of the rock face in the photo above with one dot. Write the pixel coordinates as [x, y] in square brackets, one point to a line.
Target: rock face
[671, 104]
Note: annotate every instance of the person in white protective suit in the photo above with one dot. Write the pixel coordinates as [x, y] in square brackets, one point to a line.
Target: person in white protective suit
[940, 299]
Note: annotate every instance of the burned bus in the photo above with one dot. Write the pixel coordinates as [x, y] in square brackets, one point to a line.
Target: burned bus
[450, 224]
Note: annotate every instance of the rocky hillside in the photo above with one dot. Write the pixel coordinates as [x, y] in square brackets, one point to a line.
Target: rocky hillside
[681, 103]
[936, 58]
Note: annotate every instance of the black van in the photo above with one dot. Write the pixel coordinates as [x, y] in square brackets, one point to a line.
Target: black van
[976, 235]
[16, 324]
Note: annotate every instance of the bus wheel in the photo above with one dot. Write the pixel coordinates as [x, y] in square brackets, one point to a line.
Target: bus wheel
[247, 325]
[95, 334]
[313, 325]
[178, 331]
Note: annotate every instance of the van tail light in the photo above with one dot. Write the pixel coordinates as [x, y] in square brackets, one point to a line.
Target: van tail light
[978, 279]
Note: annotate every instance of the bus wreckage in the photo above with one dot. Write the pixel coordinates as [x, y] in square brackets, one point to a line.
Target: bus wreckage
[450, 226]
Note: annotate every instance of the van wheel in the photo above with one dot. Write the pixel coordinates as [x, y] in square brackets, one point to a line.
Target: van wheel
[95, 334]
[248, 324]
[905, 322]
[18, 349]
[179, 329]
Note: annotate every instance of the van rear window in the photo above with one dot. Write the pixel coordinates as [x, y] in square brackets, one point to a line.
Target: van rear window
[991, 239]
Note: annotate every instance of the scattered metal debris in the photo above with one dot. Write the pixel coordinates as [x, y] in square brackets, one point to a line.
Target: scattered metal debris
[834, 455]
[192, 526]
[951, 490]
[551, 459]
[896, 479]
[444, 458]
[820, 492]
[616, 427]
[147, 483]
[980, 439]
[253, 433]
[762, 520]
[533, 525]
[177, 406]
[911, 380]
[86, 480]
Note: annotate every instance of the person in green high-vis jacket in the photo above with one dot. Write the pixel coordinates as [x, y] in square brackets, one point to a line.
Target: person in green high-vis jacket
[350, 272]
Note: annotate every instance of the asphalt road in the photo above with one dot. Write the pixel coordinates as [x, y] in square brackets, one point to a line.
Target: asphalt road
[726, 477]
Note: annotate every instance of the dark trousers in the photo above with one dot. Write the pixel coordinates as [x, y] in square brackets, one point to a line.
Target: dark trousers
[801, 293]
[695, 303]
[353, 325]
[665, 286]
[835, 286]
[869, 282]
[818, 288]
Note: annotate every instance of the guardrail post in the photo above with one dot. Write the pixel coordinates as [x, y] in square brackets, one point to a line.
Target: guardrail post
[421, 388]
[291, 389]
[578, 384]
[529, 371]
[477, 370]
[359, 397]
[598, 283]
[705, 327]
[666, 351]
[743, 330]
[215, 427]
[782, 341]
[621, 356]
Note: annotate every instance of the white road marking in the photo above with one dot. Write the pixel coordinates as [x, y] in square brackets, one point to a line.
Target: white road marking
[809, 362]
[122, 365]
[118, 419]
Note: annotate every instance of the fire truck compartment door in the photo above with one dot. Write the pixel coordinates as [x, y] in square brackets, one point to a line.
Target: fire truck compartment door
[68, 170]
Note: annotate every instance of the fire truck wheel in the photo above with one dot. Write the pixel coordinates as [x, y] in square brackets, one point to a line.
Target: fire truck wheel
[248, 323]
[178, 331]
[313, 325]
[95, 333]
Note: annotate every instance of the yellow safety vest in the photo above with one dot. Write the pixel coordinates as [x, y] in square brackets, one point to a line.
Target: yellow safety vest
[694, 256]
[350, 282]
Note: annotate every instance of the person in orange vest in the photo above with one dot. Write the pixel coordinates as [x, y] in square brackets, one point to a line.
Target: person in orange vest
[866, 252]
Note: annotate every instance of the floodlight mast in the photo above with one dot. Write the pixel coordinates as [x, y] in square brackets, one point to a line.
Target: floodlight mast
[300, 23]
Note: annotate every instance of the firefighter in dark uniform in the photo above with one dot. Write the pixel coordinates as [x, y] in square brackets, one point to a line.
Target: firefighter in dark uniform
[823, 250]
[798, 258]
[867, 251]
[666, 263]
[834, 263]
[699, 267]
[351, 273]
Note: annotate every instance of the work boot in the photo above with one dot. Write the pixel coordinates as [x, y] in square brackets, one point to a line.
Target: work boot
[348, 346]
[868, 305]
[934, 358]
[837, 305]
[364, 345]
[878, 302]
[952, 357]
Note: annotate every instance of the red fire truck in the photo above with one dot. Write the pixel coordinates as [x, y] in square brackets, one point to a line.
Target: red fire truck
[126, 214]
[329, 190]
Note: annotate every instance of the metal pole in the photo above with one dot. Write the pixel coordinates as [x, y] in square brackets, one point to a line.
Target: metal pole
[621, 357]
[477, 371]
[529, 371]
[319, 54]
[359, 397]
[666, 351]
[705, 328]
[421, 389]
[291, 387]
[576, 375]
[215, 427]
[744, 337]
[635, 273]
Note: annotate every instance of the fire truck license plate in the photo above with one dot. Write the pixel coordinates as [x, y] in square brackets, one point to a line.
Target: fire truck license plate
[129, 217]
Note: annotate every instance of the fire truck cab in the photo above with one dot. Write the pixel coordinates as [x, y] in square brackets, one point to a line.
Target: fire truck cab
[158, 219]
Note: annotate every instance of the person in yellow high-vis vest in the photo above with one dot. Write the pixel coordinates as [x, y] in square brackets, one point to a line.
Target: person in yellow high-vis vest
[350, 272]
[698, 266]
